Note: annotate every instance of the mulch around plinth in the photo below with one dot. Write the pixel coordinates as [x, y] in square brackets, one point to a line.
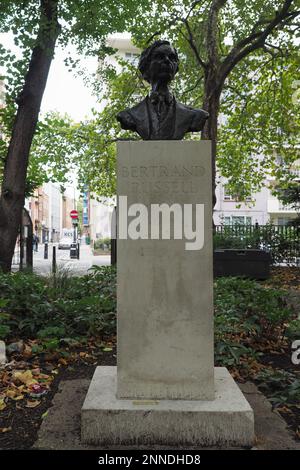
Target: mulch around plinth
[19, 424]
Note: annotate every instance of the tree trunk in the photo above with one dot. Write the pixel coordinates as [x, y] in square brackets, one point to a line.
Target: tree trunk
[212, 87]
[29, 102]
[211, 104]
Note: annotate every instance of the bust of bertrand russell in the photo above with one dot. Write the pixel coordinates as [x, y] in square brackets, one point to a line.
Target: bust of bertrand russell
[160, 116]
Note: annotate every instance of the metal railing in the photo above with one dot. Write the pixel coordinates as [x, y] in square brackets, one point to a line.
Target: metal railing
[282, 241]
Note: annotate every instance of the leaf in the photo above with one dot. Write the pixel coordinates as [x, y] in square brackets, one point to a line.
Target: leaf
[11, 393]
[5, 430]
[25, 377]
[32, 404]
[107, 349]
[2, 404]
[27, 352]
[17, 398]
[44, 415]
[61, 361]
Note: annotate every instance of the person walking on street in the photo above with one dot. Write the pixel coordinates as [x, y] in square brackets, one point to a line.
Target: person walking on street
[35, 242]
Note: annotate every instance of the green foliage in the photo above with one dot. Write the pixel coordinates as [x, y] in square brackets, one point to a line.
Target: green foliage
[289, 193]
[102, 244]
[246, 312]
[83, 24]
[4, 330]
[281, 387]
[259, 97]
[63, 309]
[50, 308]
[293, 330]
[261, 130]
[282, 242]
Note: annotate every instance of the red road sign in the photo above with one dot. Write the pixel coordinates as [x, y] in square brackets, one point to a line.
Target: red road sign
[74, 214]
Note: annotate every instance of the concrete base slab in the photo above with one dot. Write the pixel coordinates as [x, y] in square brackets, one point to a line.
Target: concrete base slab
[226, 421]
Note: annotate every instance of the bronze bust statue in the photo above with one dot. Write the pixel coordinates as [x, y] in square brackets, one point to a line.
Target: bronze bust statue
[160, 116]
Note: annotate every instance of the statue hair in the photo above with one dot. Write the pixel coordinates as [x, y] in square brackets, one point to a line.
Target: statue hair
[145, 58]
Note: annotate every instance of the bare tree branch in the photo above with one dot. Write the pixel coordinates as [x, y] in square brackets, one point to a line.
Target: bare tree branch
[194, 5]
[192, 43]
[194, 86]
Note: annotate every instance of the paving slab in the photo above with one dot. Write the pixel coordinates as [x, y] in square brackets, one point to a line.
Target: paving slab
[60, 430]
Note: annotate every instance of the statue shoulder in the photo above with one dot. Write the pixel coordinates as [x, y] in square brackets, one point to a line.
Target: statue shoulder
[126, 120]
[129, 117]
[198, 117]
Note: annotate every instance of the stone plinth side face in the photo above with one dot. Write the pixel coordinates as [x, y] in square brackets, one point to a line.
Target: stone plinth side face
[106, 421]
[164, 290]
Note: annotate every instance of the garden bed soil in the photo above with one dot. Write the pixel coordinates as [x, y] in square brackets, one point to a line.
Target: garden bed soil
[23, 423]
[284, 277]
[19, 425]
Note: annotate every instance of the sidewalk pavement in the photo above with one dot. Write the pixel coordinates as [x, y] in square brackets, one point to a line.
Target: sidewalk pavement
[63, 260]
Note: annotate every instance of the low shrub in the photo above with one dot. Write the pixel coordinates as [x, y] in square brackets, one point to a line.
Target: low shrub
[35, 306]
[247, 314]
[64, 306]
[102, 244]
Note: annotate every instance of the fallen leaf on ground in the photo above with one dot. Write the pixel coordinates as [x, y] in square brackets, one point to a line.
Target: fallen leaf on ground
[5, 429]
[32, 404]
[63, 361]
[12, 392]
[2, 404]
[19, 397]
[27, 352]
[25, 377]
[284, 409]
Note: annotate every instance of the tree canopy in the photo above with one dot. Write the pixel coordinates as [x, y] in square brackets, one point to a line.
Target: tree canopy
[258, 113]
[237, 60]
[38, 27]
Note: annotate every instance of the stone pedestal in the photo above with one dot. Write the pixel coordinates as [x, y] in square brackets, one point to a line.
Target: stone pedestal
[225, 421]
[165, 300]
[163, 390]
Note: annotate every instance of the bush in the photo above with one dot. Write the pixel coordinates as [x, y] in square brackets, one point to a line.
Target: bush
[35, 306]
[102, 244]
[250, 307]
[281, 241]
[246, 313]
[63, 307]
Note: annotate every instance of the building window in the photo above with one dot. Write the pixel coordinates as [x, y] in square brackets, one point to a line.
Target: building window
[283, 220]
[234, 197]
[237, 220]
[132, 57]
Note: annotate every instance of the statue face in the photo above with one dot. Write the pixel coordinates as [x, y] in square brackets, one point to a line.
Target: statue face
[163, 64]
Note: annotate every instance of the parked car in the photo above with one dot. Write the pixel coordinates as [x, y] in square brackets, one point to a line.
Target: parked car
[64, 243]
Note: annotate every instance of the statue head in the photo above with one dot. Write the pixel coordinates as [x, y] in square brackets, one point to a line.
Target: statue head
[159, 62]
